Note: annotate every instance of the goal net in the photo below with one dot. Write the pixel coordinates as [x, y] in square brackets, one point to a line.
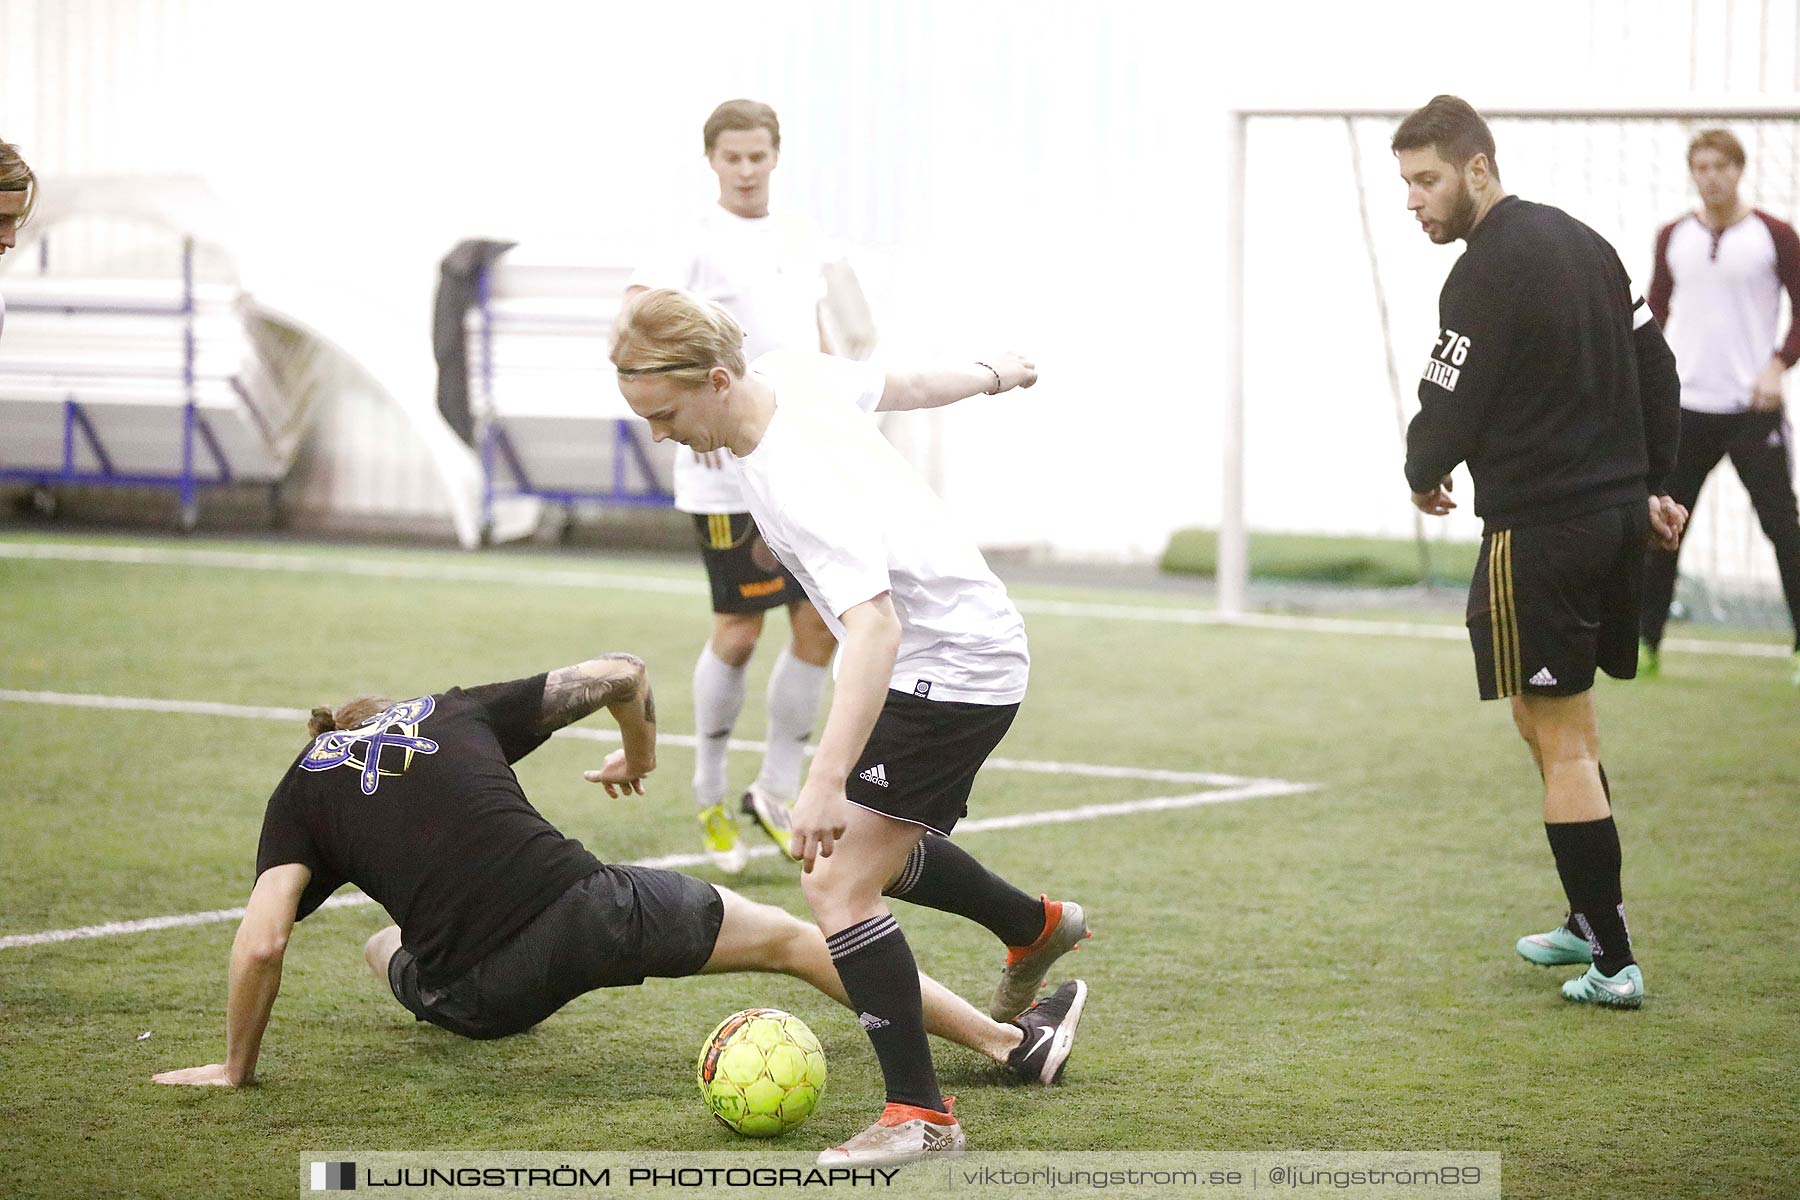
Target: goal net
[1336, 298]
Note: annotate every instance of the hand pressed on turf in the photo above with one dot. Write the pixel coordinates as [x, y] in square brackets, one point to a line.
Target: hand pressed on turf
[619, 776]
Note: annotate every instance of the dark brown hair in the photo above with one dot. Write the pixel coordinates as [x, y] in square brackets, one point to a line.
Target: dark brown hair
[1451, 126]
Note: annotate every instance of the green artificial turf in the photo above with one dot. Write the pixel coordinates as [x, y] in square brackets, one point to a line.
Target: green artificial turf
[1324, 970]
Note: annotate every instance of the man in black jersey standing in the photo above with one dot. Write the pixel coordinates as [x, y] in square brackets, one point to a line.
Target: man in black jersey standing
[1550, 380]
[500, 919]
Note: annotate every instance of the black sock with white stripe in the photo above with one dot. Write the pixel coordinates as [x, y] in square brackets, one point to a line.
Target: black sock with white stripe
[1588, 860]
[877, 967]
[942, 875]
[1569, 922]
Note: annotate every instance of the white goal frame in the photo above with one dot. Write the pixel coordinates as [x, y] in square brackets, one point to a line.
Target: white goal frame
[1233, 552]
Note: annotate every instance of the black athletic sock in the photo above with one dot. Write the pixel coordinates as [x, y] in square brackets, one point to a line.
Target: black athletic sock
[1588, 860]
[942, 875]
[1569, 921]
[876, 965]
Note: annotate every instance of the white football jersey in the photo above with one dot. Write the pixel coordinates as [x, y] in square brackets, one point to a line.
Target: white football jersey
[852, 519]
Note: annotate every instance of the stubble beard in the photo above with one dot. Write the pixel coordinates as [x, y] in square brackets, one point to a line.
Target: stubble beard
[1461, 221]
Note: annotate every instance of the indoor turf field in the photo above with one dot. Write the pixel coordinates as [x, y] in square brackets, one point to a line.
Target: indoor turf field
[1307, 945]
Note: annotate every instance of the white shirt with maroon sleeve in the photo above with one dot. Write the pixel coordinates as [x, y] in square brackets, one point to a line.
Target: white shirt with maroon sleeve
[1717, 296]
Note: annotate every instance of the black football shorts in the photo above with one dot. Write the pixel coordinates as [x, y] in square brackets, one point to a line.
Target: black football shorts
[746, 576]
[1550, 603]
[921, 758]
[616, 928]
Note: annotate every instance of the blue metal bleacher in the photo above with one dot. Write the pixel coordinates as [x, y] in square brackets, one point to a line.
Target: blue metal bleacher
[145, 378]
[549, 420]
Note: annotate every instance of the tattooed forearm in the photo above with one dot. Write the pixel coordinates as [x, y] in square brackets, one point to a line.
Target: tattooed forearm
[571, 693]
[649, 704]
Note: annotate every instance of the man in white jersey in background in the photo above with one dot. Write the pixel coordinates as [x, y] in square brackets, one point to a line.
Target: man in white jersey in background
[931, 670]
[18, 194]
[1716, 292]
[768, 272]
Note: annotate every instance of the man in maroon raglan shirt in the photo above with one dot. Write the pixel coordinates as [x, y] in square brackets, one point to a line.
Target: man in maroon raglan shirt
[1716, 292]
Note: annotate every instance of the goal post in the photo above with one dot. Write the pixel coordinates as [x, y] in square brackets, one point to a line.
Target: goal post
[1341, 238]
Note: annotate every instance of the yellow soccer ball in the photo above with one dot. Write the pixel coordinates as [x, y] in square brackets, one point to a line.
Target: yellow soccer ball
[761, 1072]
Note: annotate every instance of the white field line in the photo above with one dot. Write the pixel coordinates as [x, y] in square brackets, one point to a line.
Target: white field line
[603, 580]
[1348, 626]
[1228, 788]
[208, 708]
[196, 708]
[119, 928]
[671, 862]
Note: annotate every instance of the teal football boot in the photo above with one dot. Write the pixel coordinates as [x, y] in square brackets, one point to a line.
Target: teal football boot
[1624, 990]
[1558, 948]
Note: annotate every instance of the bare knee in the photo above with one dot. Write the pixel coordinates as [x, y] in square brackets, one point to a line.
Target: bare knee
[734, 636]
[813, 642]
[1522, 721]
[780, 937]
[821, 895]
[840, 896]
[789, 944]
[379, 950]
[760, 937]
[1560, 729]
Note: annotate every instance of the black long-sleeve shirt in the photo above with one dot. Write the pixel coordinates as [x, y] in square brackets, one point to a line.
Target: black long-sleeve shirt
[1548, 377]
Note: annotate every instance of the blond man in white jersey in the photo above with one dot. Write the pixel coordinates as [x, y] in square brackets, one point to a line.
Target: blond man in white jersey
[932, 667]
[768, 272]
[18, 195]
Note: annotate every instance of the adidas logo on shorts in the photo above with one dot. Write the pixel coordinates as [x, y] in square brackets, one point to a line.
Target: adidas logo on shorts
[877, 774]
[1543, 678]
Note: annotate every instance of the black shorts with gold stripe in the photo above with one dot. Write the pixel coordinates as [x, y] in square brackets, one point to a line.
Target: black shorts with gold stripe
[746, 576]
[1550, 603]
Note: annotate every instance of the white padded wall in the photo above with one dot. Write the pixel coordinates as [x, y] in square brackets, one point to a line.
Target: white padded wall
[1039, 175]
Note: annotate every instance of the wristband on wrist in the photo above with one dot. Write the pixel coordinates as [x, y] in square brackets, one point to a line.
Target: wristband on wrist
[998, 386]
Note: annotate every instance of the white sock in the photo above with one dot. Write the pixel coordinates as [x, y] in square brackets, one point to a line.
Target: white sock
[795, 687]
[718, 699]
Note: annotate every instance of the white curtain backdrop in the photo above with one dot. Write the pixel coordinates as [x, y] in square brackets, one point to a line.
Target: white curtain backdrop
[1046, 176]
